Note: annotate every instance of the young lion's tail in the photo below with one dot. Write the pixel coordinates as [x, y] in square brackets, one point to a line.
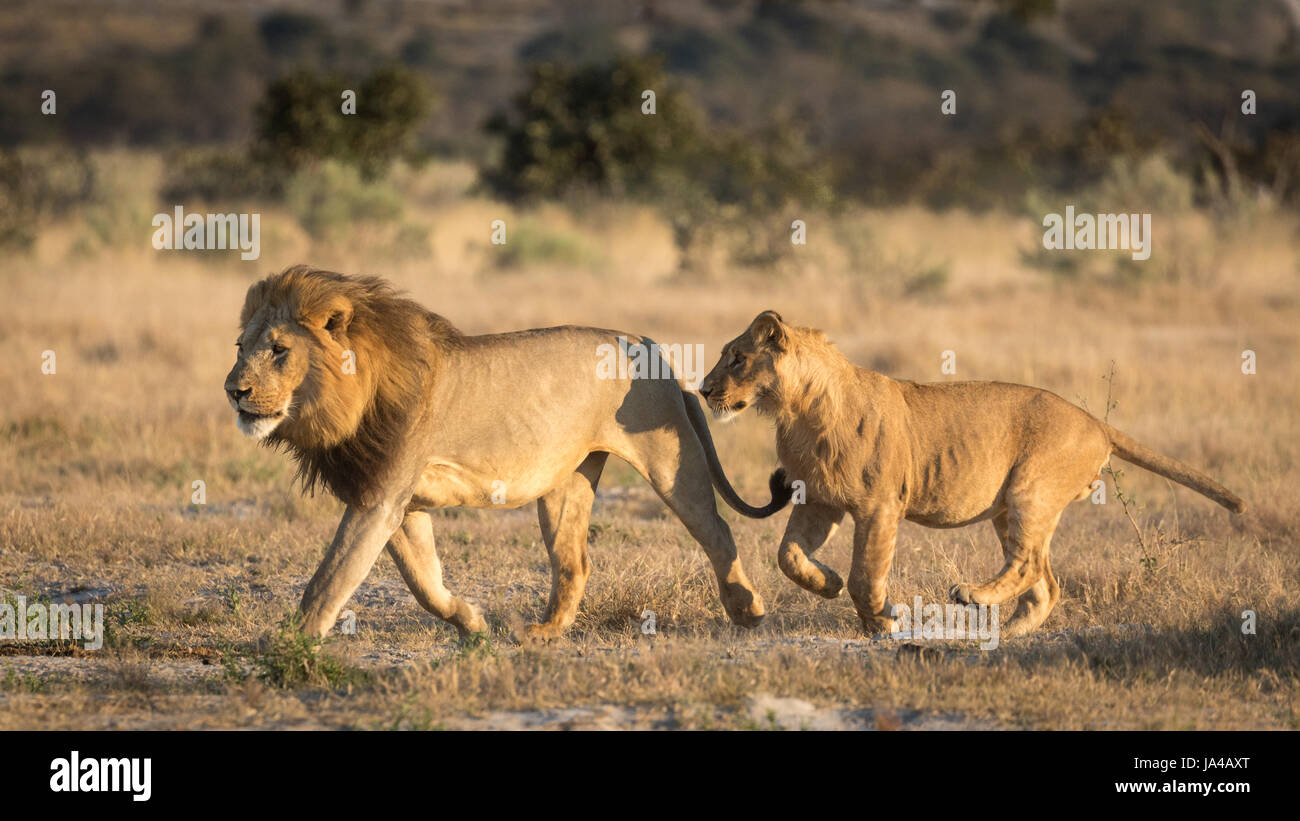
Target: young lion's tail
[1130, 450]
[781, 494]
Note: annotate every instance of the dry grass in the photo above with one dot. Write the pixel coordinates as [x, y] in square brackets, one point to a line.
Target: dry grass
[96, 465]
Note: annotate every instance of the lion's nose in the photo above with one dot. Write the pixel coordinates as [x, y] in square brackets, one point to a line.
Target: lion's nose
[236, 394]
[705, 391]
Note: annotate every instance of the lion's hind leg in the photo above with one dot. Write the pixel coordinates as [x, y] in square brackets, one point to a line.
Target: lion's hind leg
[1026, 540]
[413, 551]
[1035, 605]
[564, 514]
[1026, 534]
[673, 462]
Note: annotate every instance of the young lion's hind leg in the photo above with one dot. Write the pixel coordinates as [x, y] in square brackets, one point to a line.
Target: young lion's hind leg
[564, 515]
[1026, 539]
[413, 551]
[1035, 605]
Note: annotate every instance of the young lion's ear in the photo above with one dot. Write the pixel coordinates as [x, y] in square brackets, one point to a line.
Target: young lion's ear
[334, 316]
[768, 328]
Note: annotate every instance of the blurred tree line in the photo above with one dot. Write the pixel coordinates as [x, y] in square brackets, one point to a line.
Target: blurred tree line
[764, 106]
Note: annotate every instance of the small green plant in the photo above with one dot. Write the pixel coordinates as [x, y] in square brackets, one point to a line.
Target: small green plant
[1127, 501]
[126, 612]
[25, 683]
[231, 670]
[231, 598]
[294, 659]
[476, 645]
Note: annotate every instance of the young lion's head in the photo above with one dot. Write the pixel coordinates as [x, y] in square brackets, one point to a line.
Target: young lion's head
[330, 366]
[746, 375]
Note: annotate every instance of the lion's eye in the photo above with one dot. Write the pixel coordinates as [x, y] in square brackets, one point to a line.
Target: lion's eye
[738, 361]
[278, 349]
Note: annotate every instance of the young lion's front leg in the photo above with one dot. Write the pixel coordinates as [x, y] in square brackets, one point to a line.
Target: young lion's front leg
[873, 554]
[811, 525]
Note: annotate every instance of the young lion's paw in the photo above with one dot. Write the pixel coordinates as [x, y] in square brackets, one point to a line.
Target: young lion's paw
[832, 586]
[535, 633]
[962, 593]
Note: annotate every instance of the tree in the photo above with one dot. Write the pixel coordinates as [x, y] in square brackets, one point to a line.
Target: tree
[301, 120]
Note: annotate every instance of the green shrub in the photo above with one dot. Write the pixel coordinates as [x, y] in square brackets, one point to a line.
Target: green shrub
[36, 185]
[333, 197]
[530, 244]
[301, 121]
[216, 175]
[294, 659]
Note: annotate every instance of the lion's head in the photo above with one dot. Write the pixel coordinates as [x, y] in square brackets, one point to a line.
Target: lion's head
[746, 374]
[329, 366]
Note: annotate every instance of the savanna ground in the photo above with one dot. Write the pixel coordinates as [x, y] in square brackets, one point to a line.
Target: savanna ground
[99, 459]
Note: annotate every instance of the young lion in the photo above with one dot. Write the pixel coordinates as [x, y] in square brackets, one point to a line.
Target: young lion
[941, 454]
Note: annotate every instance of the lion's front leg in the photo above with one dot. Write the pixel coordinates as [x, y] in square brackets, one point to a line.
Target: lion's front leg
[873, 555]
[811, 525]
[415, 553]
[362, 534]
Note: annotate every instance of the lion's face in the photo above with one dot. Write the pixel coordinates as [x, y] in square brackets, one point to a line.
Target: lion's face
[745, 375]
[272, 362]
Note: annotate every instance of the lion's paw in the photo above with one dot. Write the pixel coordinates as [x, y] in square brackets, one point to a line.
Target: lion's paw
[469, 619]
[962, 593]
[877, 625]
[744, 606]
[832, 586]
[536, 633]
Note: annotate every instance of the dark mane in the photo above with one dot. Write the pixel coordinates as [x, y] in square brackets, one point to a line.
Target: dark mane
[347, 438]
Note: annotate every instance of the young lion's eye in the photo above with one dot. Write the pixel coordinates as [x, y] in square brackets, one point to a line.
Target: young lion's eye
[737, 360]
[278, 349]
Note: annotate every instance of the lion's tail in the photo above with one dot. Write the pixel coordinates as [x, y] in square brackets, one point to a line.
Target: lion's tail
[780, 492]
[1130, 450]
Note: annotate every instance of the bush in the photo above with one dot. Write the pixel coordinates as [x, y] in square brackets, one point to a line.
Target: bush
[584, 128]
[214, 175]
[38, 184]
[577, 130]
[301, 121]
[334, 197]
[531, 244]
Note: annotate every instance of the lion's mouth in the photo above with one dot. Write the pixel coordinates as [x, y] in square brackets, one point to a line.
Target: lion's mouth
[725, 412]
[248, 417]
[259, 425]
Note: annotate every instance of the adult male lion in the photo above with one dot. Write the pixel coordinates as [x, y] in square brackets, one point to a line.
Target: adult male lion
[940, 454]
[395, 412]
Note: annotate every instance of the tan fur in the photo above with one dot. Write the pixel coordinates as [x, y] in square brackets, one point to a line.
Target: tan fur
[432, 418]
[940, 454]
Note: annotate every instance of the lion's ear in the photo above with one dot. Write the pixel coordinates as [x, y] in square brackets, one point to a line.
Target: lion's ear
[768, 328]
[333, 317]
